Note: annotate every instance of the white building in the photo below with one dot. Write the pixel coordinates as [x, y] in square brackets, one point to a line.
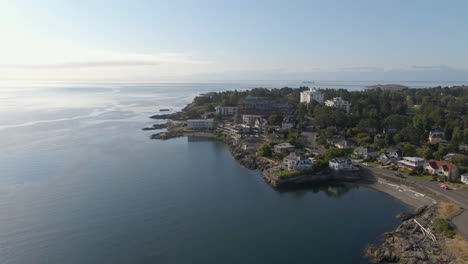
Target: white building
[225, 110]
[464, 178]
[412, 162]
[338, 102]
[199, 123]
[297, 161]
[342, 163]
[312, 94]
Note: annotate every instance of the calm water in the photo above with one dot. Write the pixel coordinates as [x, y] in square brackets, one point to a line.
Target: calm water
[81, 183]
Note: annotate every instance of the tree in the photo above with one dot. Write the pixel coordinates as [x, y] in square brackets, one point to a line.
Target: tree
[334, 152]
[264, 150]
[275, 119]
[408, 150]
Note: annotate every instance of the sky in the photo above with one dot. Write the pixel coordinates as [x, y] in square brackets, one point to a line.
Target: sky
[85, 40]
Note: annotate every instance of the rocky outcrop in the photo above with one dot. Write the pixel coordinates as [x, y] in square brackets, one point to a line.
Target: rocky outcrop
[409, 244]
[155, 127]
[174, 116]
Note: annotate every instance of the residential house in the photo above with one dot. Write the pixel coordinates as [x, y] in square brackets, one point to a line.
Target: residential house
[341, 164]
[366, 153]
[249, 120]
[437, 135]
[313, 94]
[225, 110]
[340, 142]
[275, 138]
[288, 122]
[442, 168]
[338, 102]
[260, 123]
[283, 147]
[387, 159]
[199, 123]
[208, 115]
[394, 152]
[464, 178]
[412, 162]
[297, 161]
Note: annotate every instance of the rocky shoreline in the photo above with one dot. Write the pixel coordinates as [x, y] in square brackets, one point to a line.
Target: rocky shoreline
[407, 244]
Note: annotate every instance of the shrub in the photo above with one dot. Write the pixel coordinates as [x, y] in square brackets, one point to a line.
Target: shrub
[443, 227]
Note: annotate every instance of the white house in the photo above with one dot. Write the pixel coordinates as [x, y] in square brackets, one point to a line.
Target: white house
[437, 135]
[199, 123]
[366, 153]
[341, 163]
[225, 110]
[464, 178]
[412, 162]
[338, 102]
[312, 94]
[297, 161]
[287, 123]
[441, 168]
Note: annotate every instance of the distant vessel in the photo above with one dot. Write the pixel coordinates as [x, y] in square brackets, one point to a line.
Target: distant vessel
[308, 82]
[164, 110]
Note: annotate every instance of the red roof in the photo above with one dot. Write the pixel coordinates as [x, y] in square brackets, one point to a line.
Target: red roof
[436, 164]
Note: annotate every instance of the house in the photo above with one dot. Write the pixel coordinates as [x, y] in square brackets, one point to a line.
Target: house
[437, 135]
[225, 110]
[283, 147]
[208, 115]
[252, 105]
[260, 123]
[297, 161]
[412, 162]
[338, 102]
[313, 94]
[249, 120]
[341, 164]
[464, 178]
[394, 152]
[287, 123]
[275, 138]
[199, 123]
[387, 159]
[442, 168]
[366, 153]
[340, 142]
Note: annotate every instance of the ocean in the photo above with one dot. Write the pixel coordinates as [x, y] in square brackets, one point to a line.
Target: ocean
[80, 182]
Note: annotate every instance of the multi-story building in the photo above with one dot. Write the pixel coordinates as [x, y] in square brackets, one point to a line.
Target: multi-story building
[312, 94]
[338, 102]
[341, 163]
[297, 161]
[199, 123]
[225, 110]
[252, 105]
[249, 120]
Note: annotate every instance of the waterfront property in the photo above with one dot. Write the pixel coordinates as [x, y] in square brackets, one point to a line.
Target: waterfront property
[297, 161]
[412, 162]
[312, 95]
[250, 144]
[387, 159]
[366, 153]
[441, 168]
[338, 102]
[341, 164]
[199, 123]
[283, 147]
[225, 110]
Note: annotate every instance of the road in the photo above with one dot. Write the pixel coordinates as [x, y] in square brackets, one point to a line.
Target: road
[459, 197]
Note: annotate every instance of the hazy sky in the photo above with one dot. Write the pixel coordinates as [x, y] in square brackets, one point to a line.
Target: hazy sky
[195, 40]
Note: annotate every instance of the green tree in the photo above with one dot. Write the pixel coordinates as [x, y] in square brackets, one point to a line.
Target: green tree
[334, 152]
[264, 150]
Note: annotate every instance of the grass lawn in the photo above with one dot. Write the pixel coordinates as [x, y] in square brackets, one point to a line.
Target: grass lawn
[424, 177]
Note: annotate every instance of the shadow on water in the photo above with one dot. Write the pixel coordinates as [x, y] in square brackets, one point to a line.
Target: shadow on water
[335, 189]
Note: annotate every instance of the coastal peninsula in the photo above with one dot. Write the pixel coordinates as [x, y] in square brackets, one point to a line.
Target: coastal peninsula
[410, 143]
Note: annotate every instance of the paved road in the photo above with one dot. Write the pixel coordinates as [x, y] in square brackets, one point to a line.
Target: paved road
[459, 197]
